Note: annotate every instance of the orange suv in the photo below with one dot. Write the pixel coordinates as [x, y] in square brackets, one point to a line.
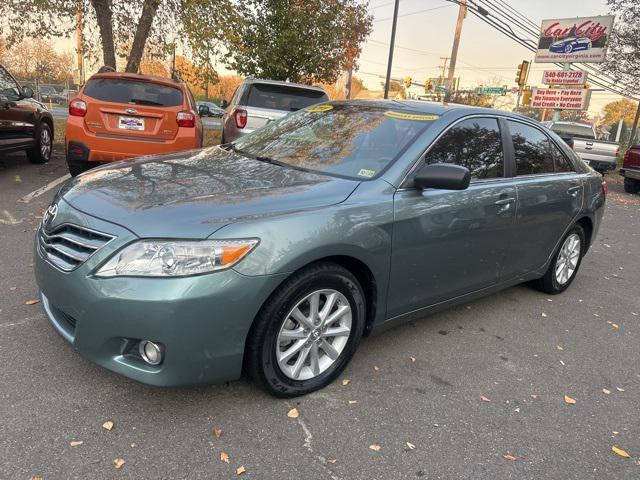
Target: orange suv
[122, 115]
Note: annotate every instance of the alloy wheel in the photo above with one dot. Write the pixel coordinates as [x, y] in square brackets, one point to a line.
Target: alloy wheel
[45, 143]
[568, 258]
[314, 334]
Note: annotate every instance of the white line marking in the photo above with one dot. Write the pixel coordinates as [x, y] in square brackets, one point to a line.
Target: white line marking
[36, 193]
[10, 219]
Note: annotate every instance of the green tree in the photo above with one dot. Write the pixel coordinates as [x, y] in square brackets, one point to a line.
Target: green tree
[299, 40]
[472, 98]
[581, 116]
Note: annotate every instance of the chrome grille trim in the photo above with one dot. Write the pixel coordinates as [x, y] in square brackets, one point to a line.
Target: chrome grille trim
[68, 246]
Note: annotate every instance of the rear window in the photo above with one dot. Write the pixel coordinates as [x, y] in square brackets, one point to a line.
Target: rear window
[130, 91]
[579, 131]
[282, 97]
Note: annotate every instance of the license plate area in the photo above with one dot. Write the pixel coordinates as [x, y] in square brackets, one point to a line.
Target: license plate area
[131, 123]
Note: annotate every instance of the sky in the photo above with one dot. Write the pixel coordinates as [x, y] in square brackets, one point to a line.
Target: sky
[484, 54]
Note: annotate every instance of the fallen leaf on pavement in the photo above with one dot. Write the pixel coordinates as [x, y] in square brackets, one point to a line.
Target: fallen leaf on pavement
[620, 389]
[606, 391]
[331, 460]
[484, 399]
[75, 443]
[353, 402]
[375, 447]
[240, 470]
[410, 446]
[119, 462]
[619, 451]
[224, 456]
[534, 396]
[217, 432]
[544, 314]
[569, 400]
[614, 325]
[559, 347]
[12, 288]
[293, 413]
[345, 381]
[376, 368]
[509, 457]
[413, 359]
[108, 425]
[36, 477]
[32, 302]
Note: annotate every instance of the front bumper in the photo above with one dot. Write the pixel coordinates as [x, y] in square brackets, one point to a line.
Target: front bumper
[203, 321]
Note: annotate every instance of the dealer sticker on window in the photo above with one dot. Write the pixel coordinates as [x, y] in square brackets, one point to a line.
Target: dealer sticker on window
[131, 123]
[365, 172]
[319, 108]
[411, 116]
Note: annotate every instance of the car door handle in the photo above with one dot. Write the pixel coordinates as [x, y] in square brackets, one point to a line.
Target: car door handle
[573, 191]
[505, 201]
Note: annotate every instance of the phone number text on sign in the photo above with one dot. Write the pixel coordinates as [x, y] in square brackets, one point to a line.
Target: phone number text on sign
[568, 99]
[564, 77]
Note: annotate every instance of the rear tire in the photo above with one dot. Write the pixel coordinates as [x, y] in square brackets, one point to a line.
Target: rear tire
[41, 153]
[286, 323]
[564, 264]
[75, 169]
[631, 185]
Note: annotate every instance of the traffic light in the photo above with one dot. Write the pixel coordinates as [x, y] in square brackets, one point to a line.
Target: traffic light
[521, 75]
[526, 97]
[407, 82]
[428, 86]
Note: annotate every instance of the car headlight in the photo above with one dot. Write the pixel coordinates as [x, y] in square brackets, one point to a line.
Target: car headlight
[175, 258]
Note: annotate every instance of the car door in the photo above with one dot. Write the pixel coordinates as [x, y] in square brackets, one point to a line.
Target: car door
[449, 243]
[16, 115]
[550, 195]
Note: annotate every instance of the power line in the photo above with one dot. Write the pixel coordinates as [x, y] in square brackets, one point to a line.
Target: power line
[412, 13]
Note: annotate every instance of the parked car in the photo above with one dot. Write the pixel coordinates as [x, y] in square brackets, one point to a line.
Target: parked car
[209, 109]
[65, 96]
[123, 115]
[281, 250]
[46, 93]
[258, 102]
[631, 169]
[25, 124]
[600, 154]
[570, 44]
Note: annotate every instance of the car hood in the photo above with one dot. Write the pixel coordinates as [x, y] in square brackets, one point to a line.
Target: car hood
[193, 194]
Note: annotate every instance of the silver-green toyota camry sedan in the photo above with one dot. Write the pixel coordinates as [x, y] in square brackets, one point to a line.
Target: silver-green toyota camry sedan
[280, 251]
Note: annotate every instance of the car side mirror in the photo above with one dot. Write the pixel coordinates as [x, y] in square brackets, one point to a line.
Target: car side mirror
[444, 176]
[224, 104]
[27, 92]
[204, 110]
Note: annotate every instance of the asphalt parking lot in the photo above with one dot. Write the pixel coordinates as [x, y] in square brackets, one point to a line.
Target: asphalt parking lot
[475, 392]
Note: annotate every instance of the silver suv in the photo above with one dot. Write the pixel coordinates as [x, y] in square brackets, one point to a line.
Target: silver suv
[257, 102]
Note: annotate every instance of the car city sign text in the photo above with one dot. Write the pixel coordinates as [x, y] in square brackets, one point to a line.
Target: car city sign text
[568, 40]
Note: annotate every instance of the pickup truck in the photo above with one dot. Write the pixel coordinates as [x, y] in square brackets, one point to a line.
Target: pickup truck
[600, 154]
[631, 170]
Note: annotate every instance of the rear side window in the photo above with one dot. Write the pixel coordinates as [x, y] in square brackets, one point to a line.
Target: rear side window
[131, 91]
[282, 97]
[532, 149]
[476, 144]
[8, 85]
[568, 130]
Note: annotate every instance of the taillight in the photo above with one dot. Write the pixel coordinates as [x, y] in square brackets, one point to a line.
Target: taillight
[186, 119]
[603, 188]
[240, 117]
[77, 108]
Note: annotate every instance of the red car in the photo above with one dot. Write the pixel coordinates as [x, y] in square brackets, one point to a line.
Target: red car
[631, 170]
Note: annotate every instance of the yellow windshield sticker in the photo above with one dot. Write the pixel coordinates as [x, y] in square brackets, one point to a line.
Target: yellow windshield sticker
[319, 108]
[412, 116]
[364, 172]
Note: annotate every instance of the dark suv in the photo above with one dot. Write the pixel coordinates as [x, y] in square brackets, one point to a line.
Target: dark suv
[25, 124]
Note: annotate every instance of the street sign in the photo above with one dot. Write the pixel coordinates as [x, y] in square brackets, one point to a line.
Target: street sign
[564, 77]
[568, 40]
[563, 98]
[491, 90]
[440, 89]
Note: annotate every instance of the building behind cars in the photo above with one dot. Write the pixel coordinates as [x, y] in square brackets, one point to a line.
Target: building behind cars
[257, 102]
[123, 115]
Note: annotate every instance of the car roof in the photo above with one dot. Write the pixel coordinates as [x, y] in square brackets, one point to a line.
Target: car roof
[141, 78]
[250, 80]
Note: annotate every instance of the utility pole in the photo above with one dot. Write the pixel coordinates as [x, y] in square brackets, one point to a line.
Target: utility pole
[444, 68]
[462, 13]
[79, 45]
[633, 127]
[393, 41]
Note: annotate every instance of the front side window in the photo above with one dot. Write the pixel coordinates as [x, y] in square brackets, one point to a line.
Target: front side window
[8, 86]
[475, 144]
[532, 149]
[356, 141]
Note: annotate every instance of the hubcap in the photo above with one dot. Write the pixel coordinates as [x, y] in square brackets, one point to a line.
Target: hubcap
[568, 257]
[314, 334]
[45, 143]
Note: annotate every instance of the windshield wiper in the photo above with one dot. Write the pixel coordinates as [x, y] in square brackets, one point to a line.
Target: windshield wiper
[259, 158]
[142, 101]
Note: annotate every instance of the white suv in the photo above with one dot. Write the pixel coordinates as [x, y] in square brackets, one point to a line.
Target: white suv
[257, 102]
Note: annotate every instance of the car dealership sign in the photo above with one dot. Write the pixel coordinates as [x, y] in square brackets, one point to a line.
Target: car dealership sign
[564, 98]
[567, 40]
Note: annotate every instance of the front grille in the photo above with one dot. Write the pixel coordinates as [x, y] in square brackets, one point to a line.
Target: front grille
[68, 246]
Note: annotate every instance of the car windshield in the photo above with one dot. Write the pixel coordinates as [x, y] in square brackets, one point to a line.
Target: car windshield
[579, 131]
[283, 97]
[355, 141]
[130, 91]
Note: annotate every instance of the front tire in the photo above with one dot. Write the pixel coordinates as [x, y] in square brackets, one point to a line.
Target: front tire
[41, 153]
[307, 331]
[565, 263]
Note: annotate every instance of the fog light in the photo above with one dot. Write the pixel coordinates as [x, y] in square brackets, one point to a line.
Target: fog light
[150, 352]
